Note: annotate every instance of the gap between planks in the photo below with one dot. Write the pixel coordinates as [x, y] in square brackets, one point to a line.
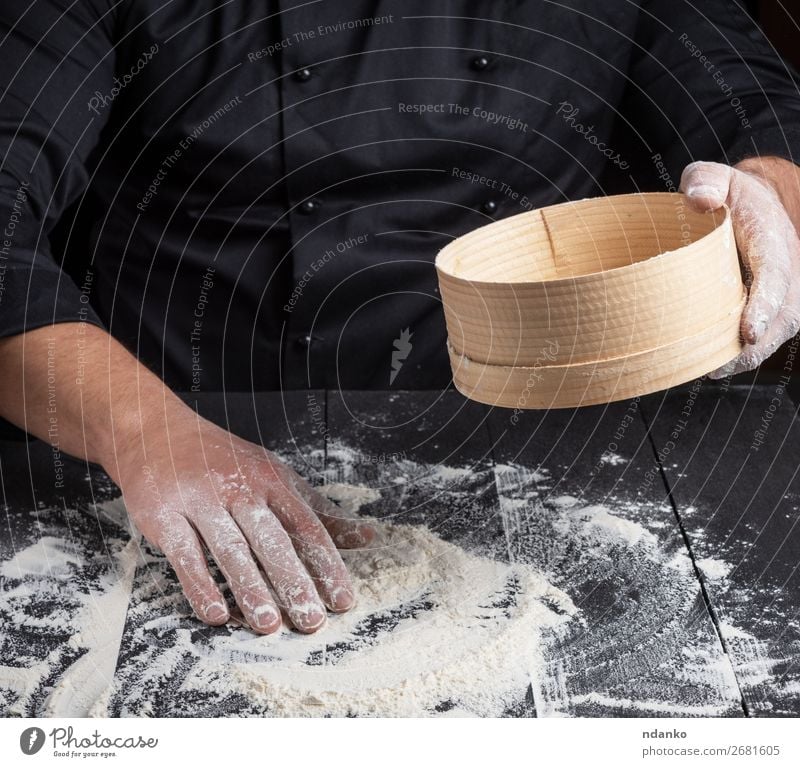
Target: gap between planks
[712, 613]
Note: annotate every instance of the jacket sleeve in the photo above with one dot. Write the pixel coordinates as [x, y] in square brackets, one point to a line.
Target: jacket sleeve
[57, 56]
[705, 84]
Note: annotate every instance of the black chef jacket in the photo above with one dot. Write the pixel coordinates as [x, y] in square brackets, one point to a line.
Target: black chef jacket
[251, 194]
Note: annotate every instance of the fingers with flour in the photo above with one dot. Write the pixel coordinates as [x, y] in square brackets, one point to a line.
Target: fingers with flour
[232, 554]
[768, 248]
[314, 546]
[706, 185]
[765, 236]
[178, 541]
[785, 326]
[346, 533]
[291, 582]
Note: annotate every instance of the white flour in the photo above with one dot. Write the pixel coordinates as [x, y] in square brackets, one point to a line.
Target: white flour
[436, 630]
[474, 645]
[612, 459]
[49, 556]
[715, 569]
[85, 595]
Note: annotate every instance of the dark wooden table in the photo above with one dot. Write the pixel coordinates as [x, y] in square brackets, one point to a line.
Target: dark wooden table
[689, 599]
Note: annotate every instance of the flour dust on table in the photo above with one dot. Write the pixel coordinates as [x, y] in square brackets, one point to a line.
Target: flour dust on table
[436, 630]
[643, 644]
[484, 594]
[64, 593]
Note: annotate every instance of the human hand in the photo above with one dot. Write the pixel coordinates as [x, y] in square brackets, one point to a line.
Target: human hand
[769, 250]
[188, 483]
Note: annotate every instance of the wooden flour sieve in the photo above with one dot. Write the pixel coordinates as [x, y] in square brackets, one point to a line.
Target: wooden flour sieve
[591, 301]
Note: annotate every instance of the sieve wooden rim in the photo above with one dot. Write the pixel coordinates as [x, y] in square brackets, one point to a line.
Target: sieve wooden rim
[647, 303]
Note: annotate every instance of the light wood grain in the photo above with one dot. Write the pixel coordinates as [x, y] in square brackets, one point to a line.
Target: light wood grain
[606, 298]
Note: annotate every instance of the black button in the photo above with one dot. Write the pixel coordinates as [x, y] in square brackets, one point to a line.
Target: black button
[490, 206]
[303, 74]
[308, 206]
[480, 63]
[306, 340]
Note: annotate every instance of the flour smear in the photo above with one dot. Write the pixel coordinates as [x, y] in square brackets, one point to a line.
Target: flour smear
[437, 630]
[465, 626]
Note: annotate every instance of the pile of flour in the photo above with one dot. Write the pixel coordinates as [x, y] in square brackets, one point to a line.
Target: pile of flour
[435, 629]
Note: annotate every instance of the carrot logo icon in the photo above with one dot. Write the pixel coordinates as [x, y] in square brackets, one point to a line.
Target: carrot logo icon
[402, 348]
[31, 740]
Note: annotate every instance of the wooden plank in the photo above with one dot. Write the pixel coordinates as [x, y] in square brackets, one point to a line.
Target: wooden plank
[582, 498]
[731, 461]
[169, 663]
